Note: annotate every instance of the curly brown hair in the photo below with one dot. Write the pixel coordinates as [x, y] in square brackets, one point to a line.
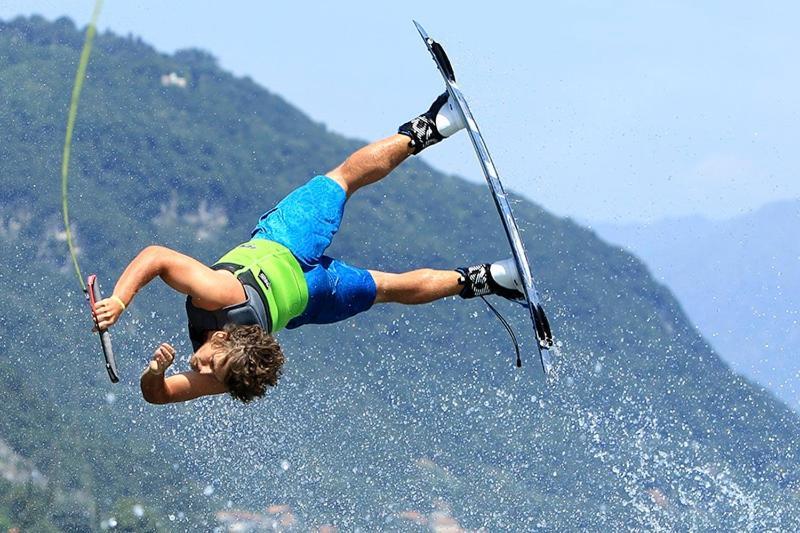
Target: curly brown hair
[254, 360]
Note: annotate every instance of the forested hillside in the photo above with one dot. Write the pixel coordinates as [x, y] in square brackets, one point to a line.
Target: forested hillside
[739, 281]
[391, 421]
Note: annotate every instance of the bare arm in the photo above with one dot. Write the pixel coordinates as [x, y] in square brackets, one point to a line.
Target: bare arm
[177, 388]
[213, 288]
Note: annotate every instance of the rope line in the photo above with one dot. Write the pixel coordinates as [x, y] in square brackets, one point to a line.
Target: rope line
[80, 75]
[506, 325]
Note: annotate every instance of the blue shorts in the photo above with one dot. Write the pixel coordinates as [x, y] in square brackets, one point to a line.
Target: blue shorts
[305, 222]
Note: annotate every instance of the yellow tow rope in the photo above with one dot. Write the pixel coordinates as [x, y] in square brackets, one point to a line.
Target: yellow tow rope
[73, 112]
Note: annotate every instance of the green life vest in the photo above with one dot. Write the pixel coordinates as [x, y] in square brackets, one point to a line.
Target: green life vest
[276, 274]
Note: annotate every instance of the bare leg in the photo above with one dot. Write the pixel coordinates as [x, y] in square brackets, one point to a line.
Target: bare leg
[371, 163]
[416, 287]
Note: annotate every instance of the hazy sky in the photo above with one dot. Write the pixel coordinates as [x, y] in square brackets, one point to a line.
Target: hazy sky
[627, 111]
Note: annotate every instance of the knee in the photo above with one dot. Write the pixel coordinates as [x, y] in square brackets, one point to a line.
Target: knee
[338, 176]
[385, 286]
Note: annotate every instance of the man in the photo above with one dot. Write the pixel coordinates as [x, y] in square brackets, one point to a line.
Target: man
[281, 277]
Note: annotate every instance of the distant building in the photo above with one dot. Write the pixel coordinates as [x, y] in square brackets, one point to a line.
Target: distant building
[173, 80]
[243, 522]
[277, 518]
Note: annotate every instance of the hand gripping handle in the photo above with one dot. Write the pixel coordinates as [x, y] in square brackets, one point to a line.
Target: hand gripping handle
[93, 295]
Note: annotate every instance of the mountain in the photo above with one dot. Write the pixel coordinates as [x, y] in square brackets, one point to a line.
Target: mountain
[401, 418]
[739, 282]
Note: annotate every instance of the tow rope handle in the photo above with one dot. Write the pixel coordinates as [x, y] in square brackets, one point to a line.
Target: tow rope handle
[92, 297]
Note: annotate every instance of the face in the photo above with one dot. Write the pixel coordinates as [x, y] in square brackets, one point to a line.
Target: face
[210, 359]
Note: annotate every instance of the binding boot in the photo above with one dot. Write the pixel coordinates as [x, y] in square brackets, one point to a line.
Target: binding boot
[440, 121]
[500, 278]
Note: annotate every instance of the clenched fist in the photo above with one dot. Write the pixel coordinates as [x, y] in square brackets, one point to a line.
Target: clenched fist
[162, 358]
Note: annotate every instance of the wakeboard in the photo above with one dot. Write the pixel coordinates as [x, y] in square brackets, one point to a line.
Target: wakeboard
[541, 326]
[92, 297]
